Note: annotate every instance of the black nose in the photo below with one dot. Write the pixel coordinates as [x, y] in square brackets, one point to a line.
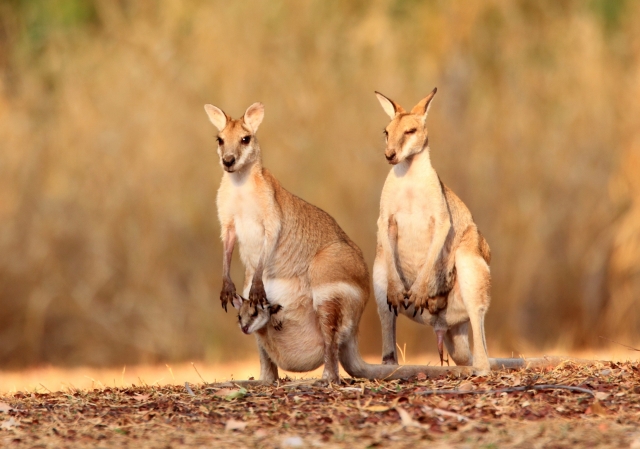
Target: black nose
[245, 329]
[391, 156]
[229, 160]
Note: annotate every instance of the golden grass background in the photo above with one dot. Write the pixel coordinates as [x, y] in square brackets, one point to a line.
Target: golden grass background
[109, 240]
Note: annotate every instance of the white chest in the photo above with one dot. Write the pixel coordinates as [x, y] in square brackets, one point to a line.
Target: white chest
[241, 205]
[416, 202]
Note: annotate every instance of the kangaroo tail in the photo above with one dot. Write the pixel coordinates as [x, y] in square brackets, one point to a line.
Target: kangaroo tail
[355, 366]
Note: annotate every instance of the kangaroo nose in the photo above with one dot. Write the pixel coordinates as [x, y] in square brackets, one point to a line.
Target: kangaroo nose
[390, 156]
[245, 329]
[229, 160]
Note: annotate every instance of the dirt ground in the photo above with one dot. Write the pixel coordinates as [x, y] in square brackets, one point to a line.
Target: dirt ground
[569, 406]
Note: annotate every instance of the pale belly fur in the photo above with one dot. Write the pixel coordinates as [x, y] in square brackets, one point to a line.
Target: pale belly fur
[298, 347]
[414, 240]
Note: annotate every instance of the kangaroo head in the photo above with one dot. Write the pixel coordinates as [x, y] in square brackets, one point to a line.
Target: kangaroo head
[406, 134]
[237, 144]
[252, 318]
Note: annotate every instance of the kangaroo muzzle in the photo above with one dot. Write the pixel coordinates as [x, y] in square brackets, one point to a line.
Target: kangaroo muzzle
[391, 156]
[228, 161]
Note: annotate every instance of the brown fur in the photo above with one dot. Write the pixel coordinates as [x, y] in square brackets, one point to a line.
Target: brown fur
[430, 253]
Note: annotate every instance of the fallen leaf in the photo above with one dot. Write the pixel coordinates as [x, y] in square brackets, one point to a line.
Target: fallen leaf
[292, 442]
[237, 394]
[224, 392]
[9, 424]
[601, 395]
[421, 376]
[377, 408]
[234, 424]
[141, 397]
[465, 386]
[4, 407]
[597, 409]
[406, 419]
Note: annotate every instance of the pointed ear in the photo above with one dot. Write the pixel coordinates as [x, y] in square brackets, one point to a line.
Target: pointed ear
[237, 301]
[217, 116]
[390, 107]
[253, 116]
[422, 108]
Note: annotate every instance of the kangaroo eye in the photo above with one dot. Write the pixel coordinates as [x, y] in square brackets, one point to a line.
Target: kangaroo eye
[220, 140]
[255, 314]
[246, 139]
[410, 131]
[239, 319]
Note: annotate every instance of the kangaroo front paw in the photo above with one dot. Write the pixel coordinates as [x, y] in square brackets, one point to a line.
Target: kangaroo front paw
[257, 295]
[276, 323]
[395, 299]
[228, 293]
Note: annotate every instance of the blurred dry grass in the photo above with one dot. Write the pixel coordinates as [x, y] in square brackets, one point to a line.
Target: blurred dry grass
[109, 241]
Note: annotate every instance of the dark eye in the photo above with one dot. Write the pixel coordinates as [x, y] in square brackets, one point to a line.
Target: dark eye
[385, 133]
[410, 131]
[246, 139]
[220, 141]
[239, 319]
[254, 314]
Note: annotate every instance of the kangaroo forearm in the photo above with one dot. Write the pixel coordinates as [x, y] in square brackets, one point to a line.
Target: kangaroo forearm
[433, 255]
[229, 242]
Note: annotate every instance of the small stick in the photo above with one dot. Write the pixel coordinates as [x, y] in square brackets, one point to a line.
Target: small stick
[189, 390]
[621, 344]
[194, 367]
[170, 370]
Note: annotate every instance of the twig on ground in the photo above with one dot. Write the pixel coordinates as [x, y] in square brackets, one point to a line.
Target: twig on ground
[198, 372]
[621, 344]
[189, 390]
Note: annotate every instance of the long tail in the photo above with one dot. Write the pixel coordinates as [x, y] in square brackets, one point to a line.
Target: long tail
[355, 366]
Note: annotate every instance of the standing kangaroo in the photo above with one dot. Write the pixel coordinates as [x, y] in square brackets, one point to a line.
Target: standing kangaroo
[296, 256]
[430, 253]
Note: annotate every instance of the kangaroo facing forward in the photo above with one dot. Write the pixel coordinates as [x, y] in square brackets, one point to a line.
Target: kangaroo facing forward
[296, 257]
[430, 253]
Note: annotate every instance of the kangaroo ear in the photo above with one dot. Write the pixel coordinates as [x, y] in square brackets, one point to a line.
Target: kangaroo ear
[390, 107]
[422, 108]
[217, 116]
[253, 116]
[237, 301]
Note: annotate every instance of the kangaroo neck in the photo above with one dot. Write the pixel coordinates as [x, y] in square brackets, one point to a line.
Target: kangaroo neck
[418, 164]
[241, 177]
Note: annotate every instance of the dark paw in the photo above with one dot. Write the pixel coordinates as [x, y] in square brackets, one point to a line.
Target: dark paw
[277, 324]
[227, 294]
[257, 295]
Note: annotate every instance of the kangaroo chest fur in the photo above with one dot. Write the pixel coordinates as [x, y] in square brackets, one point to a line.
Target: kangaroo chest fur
[414, 197]
[240, 202]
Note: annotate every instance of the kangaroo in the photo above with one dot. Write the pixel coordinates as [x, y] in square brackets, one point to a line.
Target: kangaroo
[430, 253]
[296, 256]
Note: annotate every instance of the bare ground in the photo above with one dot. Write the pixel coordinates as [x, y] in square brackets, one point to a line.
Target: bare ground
[523, 409]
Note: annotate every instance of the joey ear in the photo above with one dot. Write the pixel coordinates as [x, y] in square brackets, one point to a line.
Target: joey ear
[253, 116]
[422, 108]
[216, 116]
[237, 301]
[390, 107]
